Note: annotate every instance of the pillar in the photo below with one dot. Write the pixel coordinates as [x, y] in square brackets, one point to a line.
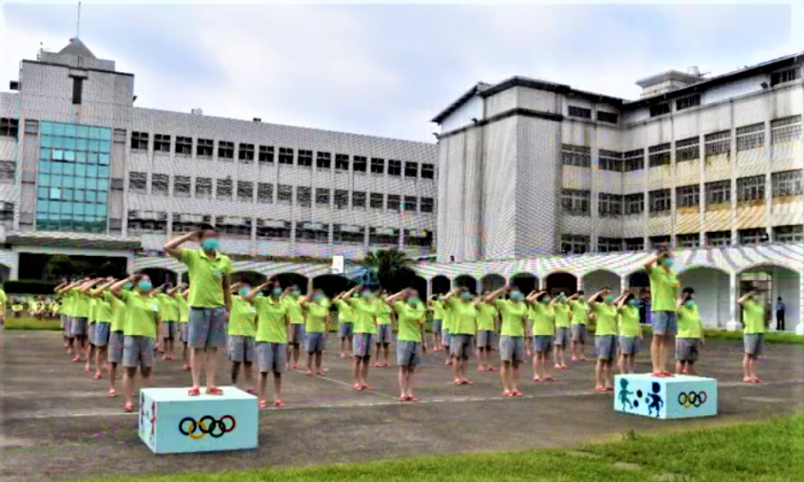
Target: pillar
[623, 284]
[733, 324]
[800, 325]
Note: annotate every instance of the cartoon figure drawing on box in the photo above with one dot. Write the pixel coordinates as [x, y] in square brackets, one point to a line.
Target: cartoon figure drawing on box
[625, 394]
[655, 400]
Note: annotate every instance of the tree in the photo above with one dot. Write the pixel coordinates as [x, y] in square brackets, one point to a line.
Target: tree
[391, 267]
[60, 266]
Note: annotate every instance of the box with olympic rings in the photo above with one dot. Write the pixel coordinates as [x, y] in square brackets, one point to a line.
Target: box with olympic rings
[171, 421]
[679, 396]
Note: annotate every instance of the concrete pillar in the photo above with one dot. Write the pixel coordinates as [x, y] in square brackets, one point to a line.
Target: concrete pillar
[623, 284]
[733, 324]
[800, 326]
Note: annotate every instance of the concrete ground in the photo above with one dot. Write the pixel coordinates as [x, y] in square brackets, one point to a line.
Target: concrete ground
[58, 424]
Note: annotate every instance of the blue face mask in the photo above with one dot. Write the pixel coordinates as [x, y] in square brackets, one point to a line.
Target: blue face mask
[260, 294]
[609, 299]
[144, 285]
[276, 291]
[668, 262]
[466, 295]
[297, 293]
[210, 244]
[243, 291]
[366, 294]
[546, 300]
[128, 286]
[413, 301]
[318, 297]
[516, 295]
[689, 303]
[632, 302]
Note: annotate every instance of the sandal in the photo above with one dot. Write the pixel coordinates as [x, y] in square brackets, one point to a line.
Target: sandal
[600, 388]
[465, 382]
[365, 386]
[517, 393]
[508, 393]
[251, 391]
[112, 393]
[194, 392]
[548, 378]
[356, 387]
[263, 404]
[319, 373]
[96, 376]
[403, 398]
[413, 399]
[279, 404]
[129, 407]
[491, 368]
[214, 391]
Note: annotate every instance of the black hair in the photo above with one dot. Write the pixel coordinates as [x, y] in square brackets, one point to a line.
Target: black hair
[206, 227]
[580, 292]
[630, 296]
[688, 291]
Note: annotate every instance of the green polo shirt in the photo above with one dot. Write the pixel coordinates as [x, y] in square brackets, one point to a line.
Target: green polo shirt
[345, 312]
[663, 288]
[80, 303]
[104, 310]
[580, 312]
[118, 311]
[182, 307]
[486, 313]
[271, 320]
[242, 318]
[317, 314]
[294, 310]
[753, 317]
[689, 322]
[463, 317]
[562, 313]
[168, 309]
[513, 315]
[543, 317]
[142, 313]
[629, 321]
[606, 317]
[206, 277]
[365, 315]
[411, 319]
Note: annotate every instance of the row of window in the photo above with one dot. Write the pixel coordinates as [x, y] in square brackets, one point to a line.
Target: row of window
[586, 113]
[245, 192]
[787, 129]
[752, 188]
[248, 153]
[579, 244]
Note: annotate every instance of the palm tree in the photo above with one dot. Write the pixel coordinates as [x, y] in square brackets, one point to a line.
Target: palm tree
[391, 267]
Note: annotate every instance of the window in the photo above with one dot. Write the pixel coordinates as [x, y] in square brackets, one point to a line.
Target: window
[784, 76]
[342, 162]
[687, 149]
[322, 196]
[609, 205]
[147, 222]
[634, 203]
[269, 229]
[634, 160]
[659, 202]
[687, 102]
[751, 188]
[574, 243]
[10, 127]
[245, 191]
[376, 200]
[223, 189]
[788, 234]
[575, 202]
[359, 199]
[181, 186]
[32, 127]
[394, 168]
[344, 233]
[787, 183]
[139, 140]
[718, 192]
[576, 155]
[305, 158]
[394, 202]
[162, 143]
[787, 129]
[225, 150]
[184, 146]
[657, 241]
[308, 231]
[752, 236]
[583, 113]
[285, 155]
[750, 137]
[659, 109]
[383, 236]
[410, 203]
[377, 165]
[160, 184]
[421, 238]
[688, 196]
[8, 172]
[323, 160]
[428, 171]
[233, 226]
[717, 143]
[266, 154]
[411, 169]
[245, 153]
[359, 164]
[205, 148]
[659, 155]
[78, 89]
[718, 238]
[688, 240]
[7, 214]
[341, 199]
[609, 245]
[303, 196]
[427, 205]
[634, 244]
[203, 187]
[265, 193]
[137, 182]
[610, 160]
[609, 117]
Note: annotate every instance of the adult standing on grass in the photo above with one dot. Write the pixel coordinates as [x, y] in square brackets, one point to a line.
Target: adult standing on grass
[410, 345]
[512, 336]
[690, 333]
[664, 293]
[291, 297]
[209, 299]
[463, 317]
[316, 329]
[272, 339]
[605, 313]
[103, 314]
[630, 331]
[365, 309]
[753, 334]
[579, 321]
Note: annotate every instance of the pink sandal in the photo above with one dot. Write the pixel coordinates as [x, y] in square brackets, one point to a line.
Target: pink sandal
[194, 392]
[129, 407]
[263, 404]
[214, 391]
[112, 393]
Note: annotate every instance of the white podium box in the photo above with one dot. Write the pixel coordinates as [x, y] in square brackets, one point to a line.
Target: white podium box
[679, 396]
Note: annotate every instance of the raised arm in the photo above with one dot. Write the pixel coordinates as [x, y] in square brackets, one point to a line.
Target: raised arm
[88, 285]
[117, 287]
[236, 287]
[595, 296]
[98, 292]
[451, 294]
[745, 297]
[396, 297]
[533, 295]
[68, 287]
[173, 246]
[253, 293]
[490, 297]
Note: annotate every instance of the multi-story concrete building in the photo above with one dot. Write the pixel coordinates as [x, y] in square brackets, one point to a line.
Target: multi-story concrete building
[83, 167]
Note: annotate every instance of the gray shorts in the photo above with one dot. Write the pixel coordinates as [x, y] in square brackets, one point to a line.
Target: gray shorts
[116, 346]
[346, 329]
[436, 326]
[171, 329]
[363, 344]
[753, 343]
[296, 334]
[512, 348]
[183, 331]
[138, 351]
[64, 322]
[408, 353]
[315, 342]
[241, 348]
[687, 349]
[461, 346]
[446, 338]
[606, 347]
[542, 343]
[100, 334]
[271, 357]
[664, 323]
[384, 334]
[78, 326]
[579, 333]
[207, 327]
[629, 345]
[562, 336]
[485, 339]
[90, 332]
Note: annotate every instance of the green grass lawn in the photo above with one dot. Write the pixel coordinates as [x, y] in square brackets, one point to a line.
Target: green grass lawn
[757, 452]
[28, 323]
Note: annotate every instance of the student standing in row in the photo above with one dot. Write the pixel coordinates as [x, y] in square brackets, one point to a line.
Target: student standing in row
[316, 329]
[64, 322]
[169, 311]
[486, 320]
[242, 330]
[271, 339]
[605, 314]
[630, 331]
[463, 315]
[437, 308]
[542, 317]
[690, 333]
[410, 345]
[104, 316]
[84, 290]
[753, 334]
[446, 330]
[384, 332]
[365, 309]
[291, 297]
[116, 333]
[579, 318]
[512, 336]
[561, 308]
[346, 324]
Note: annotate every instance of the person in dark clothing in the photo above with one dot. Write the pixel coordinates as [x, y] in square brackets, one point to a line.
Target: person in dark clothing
[779, 314]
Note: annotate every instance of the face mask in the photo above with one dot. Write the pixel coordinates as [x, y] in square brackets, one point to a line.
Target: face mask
[546, 300]
[562, 298]
[413, 301]
[128, 286]
[243, 291]
[466, 295]
[609, 299]
[632, 302]
[516, 295]
[260, 294]
[668, 262]
[210, 244]
[318, 297]
[144, 285]
[689, 303]
[276, 291]
[366, 294]
[297, 293]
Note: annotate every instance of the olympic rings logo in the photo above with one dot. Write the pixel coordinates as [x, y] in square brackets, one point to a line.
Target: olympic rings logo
[208, 425]
[692, 399]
